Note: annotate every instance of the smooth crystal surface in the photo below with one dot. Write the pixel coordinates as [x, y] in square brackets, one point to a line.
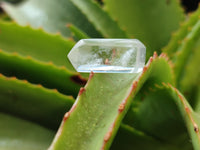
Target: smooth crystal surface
[108, 55]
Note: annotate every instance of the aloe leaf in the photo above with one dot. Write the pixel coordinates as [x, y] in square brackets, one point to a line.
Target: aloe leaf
[162, 114]
[158, 116]
[184, 51]
[191, 118]
[129, 138]
[89, 116]
[185, 48]
[33, 102]
[178, 36]
[99, 109]
[152, 111]
[42, 73]
[35, 43]
[39, 49]
[151, 21]
[77, 33]
[190, 76]
[19, 134]
[53, 16]
[101, 19]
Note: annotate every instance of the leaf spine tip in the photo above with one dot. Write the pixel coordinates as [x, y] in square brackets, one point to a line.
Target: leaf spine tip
[58, 33]
[25, 81]
[91, 74]
[121, 107]
[55, 90]
[107, 137]
[135, 84]
[68, 25]
[155, 55]
[71, 39]
[13, 78]
[144, 69]
[39, 85]
[66, 116]
[82, 89]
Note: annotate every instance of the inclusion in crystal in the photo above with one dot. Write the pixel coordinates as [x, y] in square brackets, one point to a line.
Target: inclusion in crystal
[108, 55]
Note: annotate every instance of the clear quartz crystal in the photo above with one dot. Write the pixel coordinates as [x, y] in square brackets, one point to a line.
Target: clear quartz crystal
[108, 55]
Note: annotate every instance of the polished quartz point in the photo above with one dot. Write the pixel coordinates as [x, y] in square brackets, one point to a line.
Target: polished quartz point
[108, 55]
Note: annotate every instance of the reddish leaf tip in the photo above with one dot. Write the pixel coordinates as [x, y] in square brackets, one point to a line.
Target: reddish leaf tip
[121, 107]
[155, 55]
[68, 25]
[135, 84]
[55, 90]
[82, 89]
[107, 137]
[39, 85]
[144, 69]
[13, 78]
[25, 81]
[66, 116]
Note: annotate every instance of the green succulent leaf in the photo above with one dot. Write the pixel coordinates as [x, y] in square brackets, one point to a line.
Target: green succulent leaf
[35, 43]
[19, 134]
[33, 102]
[77, 33]
[53, 16]
[129, 138]
[94, 116]
[178, 36]
[191, 118]
[151, 21]
[162, 114]
[101, 19]
[183, 49]
[46, 74]
[156, 114]
[100, 107]
[38, 57]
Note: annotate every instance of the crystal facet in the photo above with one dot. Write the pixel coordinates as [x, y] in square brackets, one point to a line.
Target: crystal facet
[108, 55]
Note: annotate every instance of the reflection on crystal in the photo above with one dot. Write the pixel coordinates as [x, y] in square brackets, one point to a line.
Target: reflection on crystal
[108, 55]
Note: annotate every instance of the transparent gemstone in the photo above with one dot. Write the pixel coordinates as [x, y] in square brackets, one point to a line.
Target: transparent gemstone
[108, 55]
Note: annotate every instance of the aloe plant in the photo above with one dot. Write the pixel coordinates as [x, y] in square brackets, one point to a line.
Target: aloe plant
[157, 109]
